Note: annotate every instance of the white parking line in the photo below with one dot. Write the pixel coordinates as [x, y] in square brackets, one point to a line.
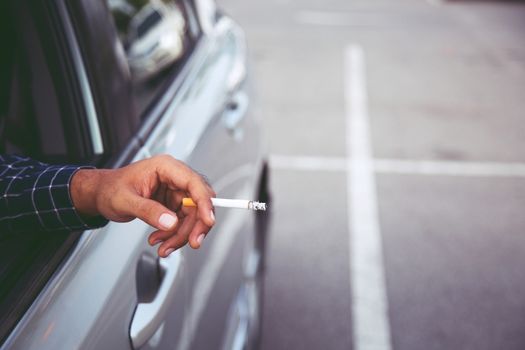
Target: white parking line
[308, 163]
[371, 328]
[450, 168]
[402, 166]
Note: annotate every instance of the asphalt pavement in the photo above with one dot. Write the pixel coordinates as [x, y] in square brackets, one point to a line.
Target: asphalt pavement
[396, 136]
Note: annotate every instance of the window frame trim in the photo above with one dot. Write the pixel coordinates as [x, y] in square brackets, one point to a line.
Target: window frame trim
[83, 81]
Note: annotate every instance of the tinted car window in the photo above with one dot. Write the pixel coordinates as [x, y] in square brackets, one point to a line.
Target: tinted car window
[30, 119]
[31, 123]
[157, 37]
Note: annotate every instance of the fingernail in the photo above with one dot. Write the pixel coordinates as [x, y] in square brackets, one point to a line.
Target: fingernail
[156, 242]
[212, 216]
[167, 220]
[169, 251]
[200, 239]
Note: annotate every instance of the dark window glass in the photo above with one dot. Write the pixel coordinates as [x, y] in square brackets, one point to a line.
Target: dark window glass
[30, 120]
[157, 37]
[30, 124]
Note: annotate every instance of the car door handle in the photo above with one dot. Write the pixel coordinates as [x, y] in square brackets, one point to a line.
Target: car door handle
[235, 111]
[149, 316]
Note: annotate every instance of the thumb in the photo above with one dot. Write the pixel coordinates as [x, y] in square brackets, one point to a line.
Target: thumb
[153, 213]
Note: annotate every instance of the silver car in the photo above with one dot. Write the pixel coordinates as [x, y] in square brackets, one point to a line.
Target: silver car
[73, 98]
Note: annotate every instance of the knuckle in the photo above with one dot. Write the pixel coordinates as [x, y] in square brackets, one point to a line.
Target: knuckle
[161, 159]
[163, 156]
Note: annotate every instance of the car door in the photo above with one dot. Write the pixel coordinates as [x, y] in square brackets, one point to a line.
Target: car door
[112, 291]
[207, 126]
[200, 116]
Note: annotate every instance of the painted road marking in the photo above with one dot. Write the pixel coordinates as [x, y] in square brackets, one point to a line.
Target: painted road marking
[308, 163]
[371, 328]
[402, 166]
[450, 168]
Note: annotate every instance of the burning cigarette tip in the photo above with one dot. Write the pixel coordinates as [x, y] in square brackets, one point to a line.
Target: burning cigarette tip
[257, 205]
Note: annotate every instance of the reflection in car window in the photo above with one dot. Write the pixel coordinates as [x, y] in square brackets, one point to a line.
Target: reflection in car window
[157, 38]
[148, 23]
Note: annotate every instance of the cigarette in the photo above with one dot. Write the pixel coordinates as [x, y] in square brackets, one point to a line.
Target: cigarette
[229, 203]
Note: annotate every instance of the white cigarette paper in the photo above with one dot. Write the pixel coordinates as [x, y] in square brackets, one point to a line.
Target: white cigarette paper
[229, 203]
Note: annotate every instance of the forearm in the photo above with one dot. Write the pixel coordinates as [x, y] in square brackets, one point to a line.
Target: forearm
[35, 196]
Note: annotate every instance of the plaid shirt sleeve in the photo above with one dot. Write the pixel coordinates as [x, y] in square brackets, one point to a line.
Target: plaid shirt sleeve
[35, 196]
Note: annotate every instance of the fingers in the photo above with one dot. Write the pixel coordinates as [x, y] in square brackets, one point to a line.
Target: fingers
[191, 230]
[183, 229]
[197, 235]
[181, 177]
[178, 239]
[205, 209]
[159, 183]
[201, 193]
[200, 228]
[173, 243]
[152, 212]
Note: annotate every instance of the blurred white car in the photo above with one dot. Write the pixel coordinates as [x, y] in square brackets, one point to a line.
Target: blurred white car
[156, 39]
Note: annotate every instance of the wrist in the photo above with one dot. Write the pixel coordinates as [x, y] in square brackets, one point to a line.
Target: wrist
[84, 186]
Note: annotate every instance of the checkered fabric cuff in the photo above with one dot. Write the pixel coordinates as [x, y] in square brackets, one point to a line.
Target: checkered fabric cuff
[36, 196]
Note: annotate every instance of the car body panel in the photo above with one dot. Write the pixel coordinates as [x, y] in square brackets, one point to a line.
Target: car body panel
[231, 161]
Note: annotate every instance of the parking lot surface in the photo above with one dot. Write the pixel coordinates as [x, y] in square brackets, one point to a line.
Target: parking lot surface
[395, 132]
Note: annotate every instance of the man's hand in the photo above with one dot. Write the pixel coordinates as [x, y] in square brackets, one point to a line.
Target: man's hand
[145, 190]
